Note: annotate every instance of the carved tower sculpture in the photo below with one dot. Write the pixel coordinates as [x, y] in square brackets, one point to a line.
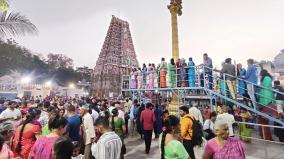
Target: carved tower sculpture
[117, 58]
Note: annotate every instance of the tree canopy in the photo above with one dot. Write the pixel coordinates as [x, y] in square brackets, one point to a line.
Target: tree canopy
[58, 67]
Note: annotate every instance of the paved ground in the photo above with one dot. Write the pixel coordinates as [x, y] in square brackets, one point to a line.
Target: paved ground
[255, 150]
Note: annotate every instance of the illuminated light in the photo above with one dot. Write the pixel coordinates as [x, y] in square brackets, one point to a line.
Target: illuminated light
[26, 80]
[71, 85]
[48, 83]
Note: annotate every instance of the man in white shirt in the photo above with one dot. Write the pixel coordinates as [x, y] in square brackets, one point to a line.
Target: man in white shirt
[95, 115]
[196, 113]
[229, 118]
[88, 128]
[11, 113]
[109, 145]
[127, 105]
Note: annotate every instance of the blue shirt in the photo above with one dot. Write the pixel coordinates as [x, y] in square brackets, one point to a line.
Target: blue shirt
[73, 127]
[251, 74]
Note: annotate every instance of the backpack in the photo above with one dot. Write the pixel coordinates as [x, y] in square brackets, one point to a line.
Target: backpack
[197, 132]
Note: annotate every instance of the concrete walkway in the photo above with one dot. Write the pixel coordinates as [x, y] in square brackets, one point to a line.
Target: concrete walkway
[256, 150]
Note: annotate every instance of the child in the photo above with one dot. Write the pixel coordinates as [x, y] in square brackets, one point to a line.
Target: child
[76, 151]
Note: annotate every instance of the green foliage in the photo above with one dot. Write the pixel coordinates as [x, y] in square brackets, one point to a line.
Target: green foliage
[63, 76]
[14, 58]
[56, 61]
[15, 24]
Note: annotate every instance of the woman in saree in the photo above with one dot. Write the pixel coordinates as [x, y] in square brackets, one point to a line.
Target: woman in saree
[139, 78]
[183, 73]
[25, 135]
[151, 77]
[245, 130]
[42, 149]
[223, 146]
[156, 77]
[163, 73]
[6, 133]
[266, 97]
[144, 75]
[172, 74]
[178, 73]
[133, 82]
[191, 73]
[118, 126]
[170, 147]
[241, 83]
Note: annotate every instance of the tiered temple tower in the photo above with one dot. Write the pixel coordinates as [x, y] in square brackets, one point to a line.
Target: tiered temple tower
[117, 58]
[279, 62]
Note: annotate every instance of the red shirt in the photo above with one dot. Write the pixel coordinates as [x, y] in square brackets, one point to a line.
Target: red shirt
[148, 119]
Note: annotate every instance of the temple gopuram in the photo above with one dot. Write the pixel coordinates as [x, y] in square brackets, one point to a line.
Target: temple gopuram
[117, 58]
[279, 62]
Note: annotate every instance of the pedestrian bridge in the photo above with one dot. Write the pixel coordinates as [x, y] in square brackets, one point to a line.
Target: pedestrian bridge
[209, 87]
[261, 146]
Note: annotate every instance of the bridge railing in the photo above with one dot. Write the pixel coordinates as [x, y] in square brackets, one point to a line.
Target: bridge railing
[201, 77]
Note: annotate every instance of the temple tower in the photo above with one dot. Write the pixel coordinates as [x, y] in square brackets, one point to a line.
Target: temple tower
[117, 58]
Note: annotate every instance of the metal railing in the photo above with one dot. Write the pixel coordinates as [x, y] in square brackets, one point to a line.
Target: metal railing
[263, 130]
[207, 79]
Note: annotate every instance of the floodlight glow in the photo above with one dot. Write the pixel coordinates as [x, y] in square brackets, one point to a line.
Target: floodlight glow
[26, 80]
[71, 85]
[48, 83]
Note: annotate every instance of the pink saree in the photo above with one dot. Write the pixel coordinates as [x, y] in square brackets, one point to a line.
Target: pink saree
[42, 149]
[233, 149]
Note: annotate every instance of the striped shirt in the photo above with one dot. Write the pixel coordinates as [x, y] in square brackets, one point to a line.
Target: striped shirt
[108, 146]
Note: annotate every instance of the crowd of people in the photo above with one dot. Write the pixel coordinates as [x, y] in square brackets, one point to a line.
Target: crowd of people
[254, 84]
[259, 89]
[173, 74]
[88, 128]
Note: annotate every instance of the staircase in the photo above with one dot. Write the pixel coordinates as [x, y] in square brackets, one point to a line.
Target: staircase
[218, 92]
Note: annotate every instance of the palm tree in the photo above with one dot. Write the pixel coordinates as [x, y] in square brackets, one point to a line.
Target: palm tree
[15, 24]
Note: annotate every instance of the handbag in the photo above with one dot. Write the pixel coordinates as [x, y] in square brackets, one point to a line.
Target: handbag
[208, 133]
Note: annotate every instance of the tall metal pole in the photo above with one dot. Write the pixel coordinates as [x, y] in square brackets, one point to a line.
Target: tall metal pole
[175, 10]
